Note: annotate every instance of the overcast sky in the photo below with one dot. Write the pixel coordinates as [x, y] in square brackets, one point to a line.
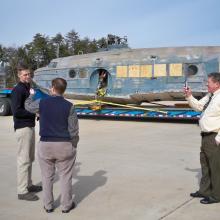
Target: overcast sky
[146, 23]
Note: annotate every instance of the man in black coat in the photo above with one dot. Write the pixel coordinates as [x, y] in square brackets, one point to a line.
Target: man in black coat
[24, 123]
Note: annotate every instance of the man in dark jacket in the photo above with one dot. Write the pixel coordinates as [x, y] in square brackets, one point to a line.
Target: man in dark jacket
[24, 123]
[58, 141]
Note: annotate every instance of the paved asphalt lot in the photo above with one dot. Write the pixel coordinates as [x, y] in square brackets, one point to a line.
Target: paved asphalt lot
[124, 171]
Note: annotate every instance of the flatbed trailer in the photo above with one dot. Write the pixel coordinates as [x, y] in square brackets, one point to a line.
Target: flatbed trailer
[119, 112]
[170, 114]
[5, 101]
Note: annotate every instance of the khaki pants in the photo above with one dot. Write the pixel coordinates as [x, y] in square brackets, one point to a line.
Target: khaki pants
[60, 155]
[210, 164]
[25, 157]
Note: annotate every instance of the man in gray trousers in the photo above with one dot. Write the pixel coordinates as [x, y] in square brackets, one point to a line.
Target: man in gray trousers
[59, 135]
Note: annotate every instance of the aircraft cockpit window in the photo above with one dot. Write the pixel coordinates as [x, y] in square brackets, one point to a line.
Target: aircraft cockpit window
[72, 73]
[52, 65]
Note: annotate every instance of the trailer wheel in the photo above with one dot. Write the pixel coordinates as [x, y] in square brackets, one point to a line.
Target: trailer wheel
[5, 108]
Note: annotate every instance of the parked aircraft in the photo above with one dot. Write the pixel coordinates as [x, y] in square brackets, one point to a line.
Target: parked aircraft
[123, 75]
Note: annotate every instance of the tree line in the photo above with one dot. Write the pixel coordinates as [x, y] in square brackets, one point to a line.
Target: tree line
[43, 49]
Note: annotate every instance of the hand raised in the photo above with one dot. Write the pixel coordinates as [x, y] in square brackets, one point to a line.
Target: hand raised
[187, 91]
[32, 92]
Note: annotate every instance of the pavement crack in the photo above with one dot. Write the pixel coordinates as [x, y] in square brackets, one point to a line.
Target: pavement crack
[178, 207]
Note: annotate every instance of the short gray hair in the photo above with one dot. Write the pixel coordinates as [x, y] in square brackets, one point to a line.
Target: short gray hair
[215, 76]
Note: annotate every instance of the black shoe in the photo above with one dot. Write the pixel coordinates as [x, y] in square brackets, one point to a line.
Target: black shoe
[34, 188]
[197, 194]
[28, 196]
[72, 207]
[48, 210]
[208, 200]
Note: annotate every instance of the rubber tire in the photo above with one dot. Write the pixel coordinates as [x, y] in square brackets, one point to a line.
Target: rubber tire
[5, 107]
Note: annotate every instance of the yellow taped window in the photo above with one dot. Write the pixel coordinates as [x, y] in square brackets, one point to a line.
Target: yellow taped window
[146, 71]
[160, 70]
[134, 71]
[121, 71]
[176, 69]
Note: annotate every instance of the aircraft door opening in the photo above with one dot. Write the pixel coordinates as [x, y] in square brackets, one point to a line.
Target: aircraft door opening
[99, 81]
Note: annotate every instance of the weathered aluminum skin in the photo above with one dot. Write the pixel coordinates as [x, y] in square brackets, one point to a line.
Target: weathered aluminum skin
[132, 88]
